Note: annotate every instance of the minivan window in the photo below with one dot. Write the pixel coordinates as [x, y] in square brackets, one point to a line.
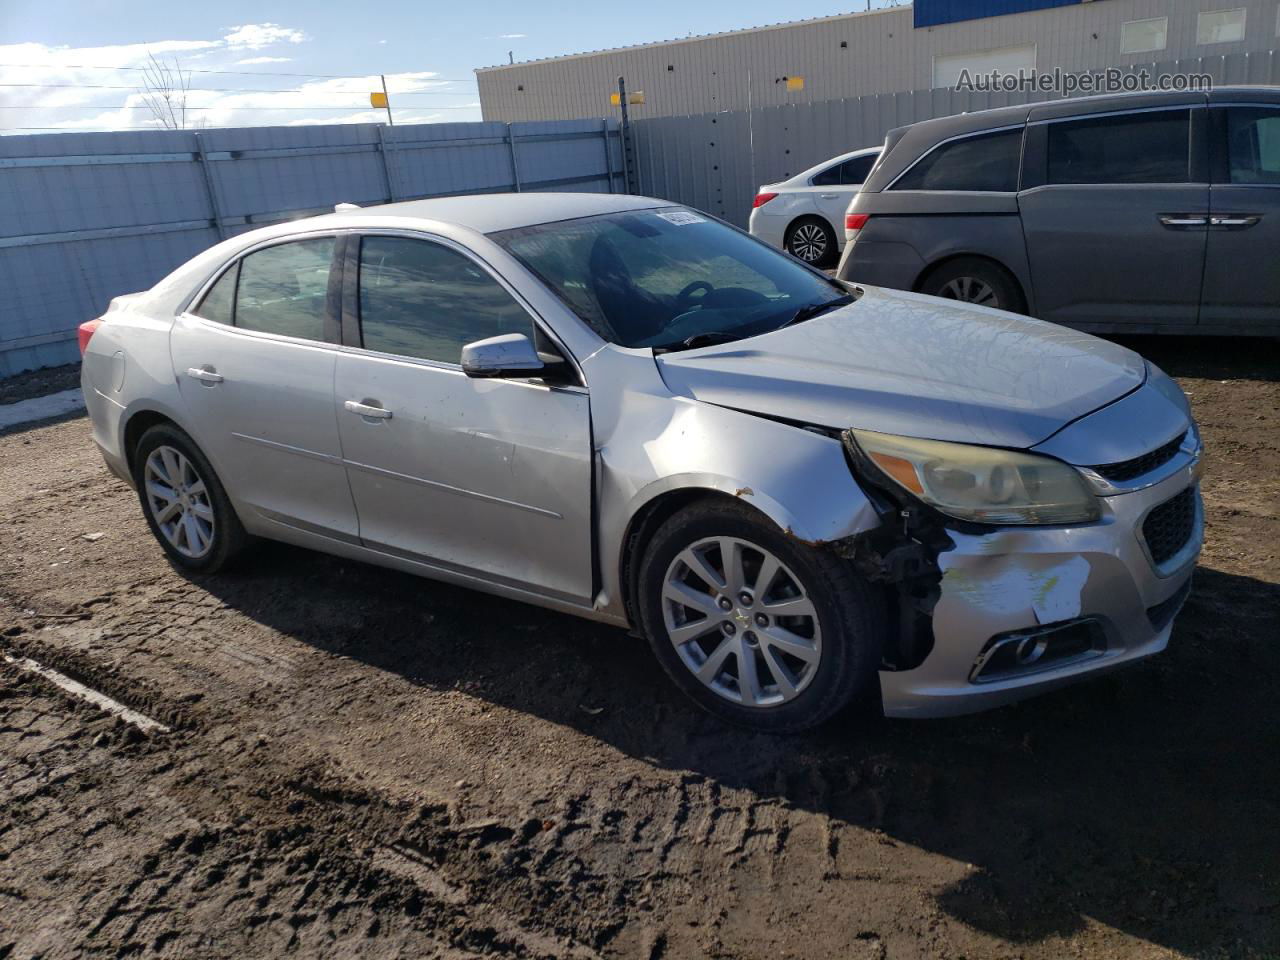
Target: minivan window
[851, 173]
[1151, 147]
[420, 299]
[283, 289]
[218, 304]
[1253, 144]
[986, 162]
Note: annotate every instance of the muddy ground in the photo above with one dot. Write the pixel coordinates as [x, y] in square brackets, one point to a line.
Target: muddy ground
[366, 764]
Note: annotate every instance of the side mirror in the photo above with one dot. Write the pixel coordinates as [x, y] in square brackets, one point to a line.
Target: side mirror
[509, 355]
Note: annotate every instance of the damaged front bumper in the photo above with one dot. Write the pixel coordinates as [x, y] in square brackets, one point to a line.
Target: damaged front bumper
[1008, 596]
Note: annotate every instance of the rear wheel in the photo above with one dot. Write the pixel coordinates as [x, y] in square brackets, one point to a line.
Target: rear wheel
[183, 501]
[811, 240]
[756, 627]
[974, 280]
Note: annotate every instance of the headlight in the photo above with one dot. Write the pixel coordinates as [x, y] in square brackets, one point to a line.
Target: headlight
[982, 484]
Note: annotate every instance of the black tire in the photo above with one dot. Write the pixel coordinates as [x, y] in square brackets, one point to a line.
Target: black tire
[227, 536]
[806, 235]
[975, 280]
[850, 613]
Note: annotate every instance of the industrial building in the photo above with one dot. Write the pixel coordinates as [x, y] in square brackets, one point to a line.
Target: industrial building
[891, 50]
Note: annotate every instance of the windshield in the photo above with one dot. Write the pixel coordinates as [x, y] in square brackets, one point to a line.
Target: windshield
[669, 278]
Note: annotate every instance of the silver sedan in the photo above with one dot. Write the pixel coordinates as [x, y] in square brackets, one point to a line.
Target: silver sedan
[802, 492]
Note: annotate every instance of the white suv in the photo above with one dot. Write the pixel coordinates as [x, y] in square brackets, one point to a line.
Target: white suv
[805, 215]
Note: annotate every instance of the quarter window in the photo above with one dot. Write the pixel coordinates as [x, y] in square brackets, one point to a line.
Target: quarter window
[851, 173]
[219, 303]
[987, 162]
[1127, 148]
[284, 289]
[421, 299]
[1253, 145]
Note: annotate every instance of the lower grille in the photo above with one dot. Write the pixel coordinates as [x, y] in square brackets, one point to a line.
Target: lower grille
[1168, 527]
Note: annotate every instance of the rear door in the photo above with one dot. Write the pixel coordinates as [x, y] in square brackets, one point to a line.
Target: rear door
[487, 477]
[1115, 210]
[254, 360]
[836, 186]
[1242, 266]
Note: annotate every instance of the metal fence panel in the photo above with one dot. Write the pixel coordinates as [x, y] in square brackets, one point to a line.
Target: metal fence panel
[88, 217]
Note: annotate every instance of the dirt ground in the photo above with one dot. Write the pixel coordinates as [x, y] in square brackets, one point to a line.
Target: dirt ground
[366, 764]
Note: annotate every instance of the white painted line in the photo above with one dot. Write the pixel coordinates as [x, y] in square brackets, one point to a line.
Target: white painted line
[41, 408]
[99, 700]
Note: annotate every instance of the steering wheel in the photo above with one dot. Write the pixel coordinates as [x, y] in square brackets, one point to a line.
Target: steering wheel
[685, 297]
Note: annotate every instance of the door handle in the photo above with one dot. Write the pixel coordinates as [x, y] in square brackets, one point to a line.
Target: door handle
[204, 374]
[367, 410]
[829, 196]
[1183, 221]
[1235, 221]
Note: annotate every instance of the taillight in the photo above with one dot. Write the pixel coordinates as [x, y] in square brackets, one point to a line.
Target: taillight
[85, 331]
[761, 199]
[853, 222]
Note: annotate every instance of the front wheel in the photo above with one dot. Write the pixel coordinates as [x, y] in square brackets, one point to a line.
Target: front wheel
[756, 627]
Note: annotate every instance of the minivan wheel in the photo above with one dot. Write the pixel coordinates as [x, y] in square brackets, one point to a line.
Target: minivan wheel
[971, 280]
[811, 240]
[756, 627]
[184, 502]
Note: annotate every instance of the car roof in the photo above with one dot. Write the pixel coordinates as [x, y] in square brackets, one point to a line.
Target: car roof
[492, 212]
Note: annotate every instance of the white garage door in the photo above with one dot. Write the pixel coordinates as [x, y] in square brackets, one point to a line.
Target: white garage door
[1007, 60]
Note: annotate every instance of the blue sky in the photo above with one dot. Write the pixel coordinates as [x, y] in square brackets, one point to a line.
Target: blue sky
[427, 49]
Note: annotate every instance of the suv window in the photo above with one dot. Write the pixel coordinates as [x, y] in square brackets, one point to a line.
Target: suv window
[987, 162]
[218, 304]
[1253, 144]
[851, 173]
[1127, 148]
[284, 289]
[421, 299]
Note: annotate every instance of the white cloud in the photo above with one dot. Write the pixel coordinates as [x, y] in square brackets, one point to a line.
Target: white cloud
[255, 36]
[512, 36]
[253, 60]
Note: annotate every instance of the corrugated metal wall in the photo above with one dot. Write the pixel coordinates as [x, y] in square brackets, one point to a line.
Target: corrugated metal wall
[882, 52]
[90, 216]
[716, 161]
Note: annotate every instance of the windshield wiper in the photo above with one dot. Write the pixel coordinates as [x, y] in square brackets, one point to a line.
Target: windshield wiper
[809, 311]
[704, 339]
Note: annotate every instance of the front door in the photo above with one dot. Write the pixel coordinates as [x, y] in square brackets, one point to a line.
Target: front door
[485, 477]
[1115, 221]
[1241, 272]
[254, 364]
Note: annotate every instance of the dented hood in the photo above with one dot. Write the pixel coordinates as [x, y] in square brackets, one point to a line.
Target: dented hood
[915, 366]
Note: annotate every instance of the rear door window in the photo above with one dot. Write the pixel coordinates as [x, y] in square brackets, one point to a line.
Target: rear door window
[987, 162]
[283, 289]
[850, 173]
[1151, 147]
[1253, 144]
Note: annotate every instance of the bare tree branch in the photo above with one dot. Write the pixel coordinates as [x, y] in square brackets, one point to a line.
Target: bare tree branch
[164, 92]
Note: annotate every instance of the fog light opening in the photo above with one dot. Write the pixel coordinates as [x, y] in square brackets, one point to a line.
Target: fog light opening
[1022, 652]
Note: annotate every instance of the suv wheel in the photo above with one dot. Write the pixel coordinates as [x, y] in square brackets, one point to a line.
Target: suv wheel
[757, 628]
[810, 240]
[971, 280]
[183, 501]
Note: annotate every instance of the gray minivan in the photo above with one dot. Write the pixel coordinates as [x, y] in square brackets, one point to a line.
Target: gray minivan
[1138, 213]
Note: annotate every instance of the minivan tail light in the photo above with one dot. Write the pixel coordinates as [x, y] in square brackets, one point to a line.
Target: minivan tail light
[762, 199]
[853, 222]
[85, 331]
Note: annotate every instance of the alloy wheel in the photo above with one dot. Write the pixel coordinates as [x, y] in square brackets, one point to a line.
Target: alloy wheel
[809, 242]
[741, 622]
[179, 501]
[970, 290]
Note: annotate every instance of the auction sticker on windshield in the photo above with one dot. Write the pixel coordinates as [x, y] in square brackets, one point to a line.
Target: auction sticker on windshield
[682, 218]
